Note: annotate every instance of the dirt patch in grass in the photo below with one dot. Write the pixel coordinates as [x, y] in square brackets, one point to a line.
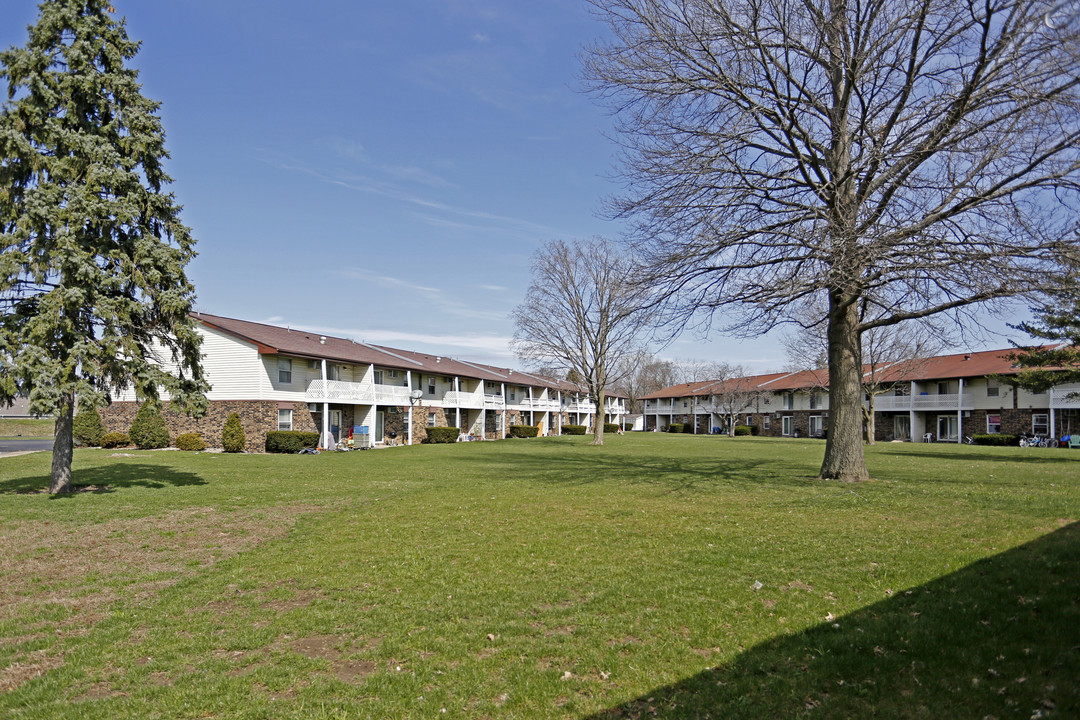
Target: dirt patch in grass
[61, 579]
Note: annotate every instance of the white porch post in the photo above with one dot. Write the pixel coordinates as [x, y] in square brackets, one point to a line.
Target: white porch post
[1053, 431]
[960, 414]
[457, 409]
[326, 404]
[911, 413]
[408, 381]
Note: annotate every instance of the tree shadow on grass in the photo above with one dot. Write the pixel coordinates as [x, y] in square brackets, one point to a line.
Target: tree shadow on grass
[107, 478]
[1040, 456]
[999, 638]
[672, 474]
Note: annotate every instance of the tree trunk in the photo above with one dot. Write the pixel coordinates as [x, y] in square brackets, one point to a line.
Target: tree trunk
[844, 458]
[63, 442]
[598, 423]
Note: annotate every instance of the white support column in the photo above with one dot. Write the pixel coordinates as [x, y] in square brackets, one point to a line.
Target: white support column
[1053, 431]
[911, 413]
[960, 414]
[457, 410]
[326, 405]
[408, 381]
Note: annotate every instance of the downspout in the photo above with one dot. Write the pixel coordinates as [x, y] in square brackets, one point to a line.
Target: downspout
[326, 404]
[911, 413]
[960, 414]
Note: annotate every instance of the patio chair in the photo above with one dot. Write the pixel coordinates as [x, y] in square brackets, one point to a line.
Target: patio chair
[1074, 441]
[928, 438]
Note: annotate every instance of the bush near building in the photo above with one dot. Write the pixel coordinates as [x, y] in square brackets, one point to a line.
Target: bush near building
[573, 429]
[437, 435]
[675, 428]
[87, 428]
[148, 430]
[996, 439]
[232, 435]
[744, 430]
[192, 442]
[290, 441]
[523, 431]
[115, 440]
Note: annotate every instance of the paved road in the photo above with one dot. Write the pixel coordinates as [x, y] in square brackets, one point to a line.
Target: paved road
[24, 445]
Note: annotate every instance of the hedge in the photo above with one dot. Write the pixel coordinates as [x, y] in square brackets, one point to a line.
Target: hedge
[191, 442]
[995, 439]
[442, 435]
[115, 440]
[743, 430]
[290, 441]
[523, 431]
[87, 428]
[611, 427]
[232, 435]
[573, 429]
[675, 428]
[148, 430]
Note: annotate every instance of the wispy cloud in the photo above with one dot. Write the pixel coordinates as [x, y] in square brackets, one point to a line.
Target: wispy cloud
[481, 38]
[496, 346]
[439, 300]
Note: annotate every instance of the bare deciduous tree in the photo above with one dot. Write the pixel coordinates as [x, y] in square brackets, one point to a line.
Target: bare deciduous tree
[910, 156]
[581, 315]
[733, 392]
[643, 373]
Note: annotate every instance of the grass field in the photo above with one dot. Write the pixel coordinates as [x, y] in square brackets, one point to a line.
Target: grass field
[18, 427]
[658, 576]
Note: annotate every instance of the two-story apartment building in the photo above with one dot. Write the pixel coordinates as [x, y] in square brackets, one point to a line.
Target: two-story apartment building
[277, 378]
[942, 399]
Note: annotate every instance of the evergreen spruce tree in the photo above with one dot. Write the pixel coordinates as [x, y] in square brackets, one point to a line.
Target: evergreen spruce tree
[92, 252]
[148, 430]
[88, 428]
[1057, 362]
[232, 435]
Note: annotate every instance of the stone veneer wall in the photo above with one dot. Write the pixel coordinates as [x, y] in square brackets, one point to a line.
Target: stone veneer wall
[256, 416]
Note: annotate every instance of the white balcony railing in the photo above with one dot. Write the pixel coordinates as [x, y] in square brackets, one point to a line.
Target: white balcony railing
[1066, 396]
[391, 395]
[338, 391]
[494, 402]
[582, 406]
[463, 400]
[951, 401]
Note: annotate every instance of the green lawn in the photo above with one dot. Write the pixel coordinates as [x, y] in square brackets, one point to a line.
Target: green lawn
[18, 427]
[658, 576]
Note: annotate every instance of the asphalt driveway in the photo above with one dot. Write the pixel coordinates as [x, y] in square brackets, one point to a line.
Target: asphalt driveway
[13, 445]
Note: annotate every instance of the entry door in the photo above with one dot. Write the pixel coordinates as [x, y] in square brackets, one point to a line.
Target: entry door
[902, 427]
[380, 418]
[786, 425]
[946, 427]
[335, 424]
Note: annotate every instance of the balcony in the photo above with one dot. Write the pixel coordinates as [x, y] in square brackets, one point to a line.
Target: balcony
[338, 391]
[1066, 396]
[950, 402]
[581, 406]
[494, 402]
[391, 395]
[471, 400]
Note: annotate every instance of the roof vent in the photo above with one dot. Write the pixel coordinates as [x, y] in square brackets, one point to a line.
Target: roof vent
[967, 356]
[438, 359]
[322, 339]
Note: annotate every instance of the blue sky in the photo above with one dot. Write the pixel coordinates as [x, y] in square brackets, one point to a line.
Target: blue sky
[380, 170]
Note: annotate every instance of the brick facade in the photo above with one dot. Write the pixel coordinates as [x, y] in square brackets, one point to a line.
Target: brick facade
[256, 416]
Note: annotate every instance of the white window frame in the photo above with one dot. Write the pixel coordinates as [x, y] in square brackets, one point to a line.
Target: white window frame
[1044, 424]
[818, 420]
[993, 428]
[379, 377]
[993, 387]
[432, 418]
[284, 371]
[787, 425]
[766, 422]
[284, 419]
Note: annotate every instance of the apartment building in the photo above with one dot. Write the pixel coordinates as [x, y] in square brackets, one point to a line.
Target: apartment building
[940, 399]
[277, 378]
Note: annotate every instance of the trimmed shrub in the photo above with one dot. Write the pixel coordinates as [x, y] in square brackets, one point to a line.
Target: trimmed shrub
[192, 442]
[688, 428]
[290, 441]
[755, 430]
[995, 439]
[87, 428]
[115, 440]
[675, 428]
[437, 435]
[523, 431]
[232, 435]
[744, 430]
[573, 429]
[611, 427]
[148, 429]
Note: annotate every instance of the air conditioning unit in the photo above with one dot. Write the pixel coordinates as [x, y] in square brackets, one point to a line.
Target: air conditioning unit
[967, 413]
[777, 415]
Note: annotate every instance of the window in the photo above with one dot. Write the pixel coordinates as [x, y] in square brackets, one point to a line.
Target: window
[902, 390]
[943, 388]
[788, 401]
[333, 372]
[284, 419]
[786, 423]
[378, 377]
[993, 423]
[815, 401]
[391, 373]
[992, 388]
[749, 420]
[431, 419]
[817, 426]
[284, 371]
[1040, 424]
[766, 422]
[431, 385]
